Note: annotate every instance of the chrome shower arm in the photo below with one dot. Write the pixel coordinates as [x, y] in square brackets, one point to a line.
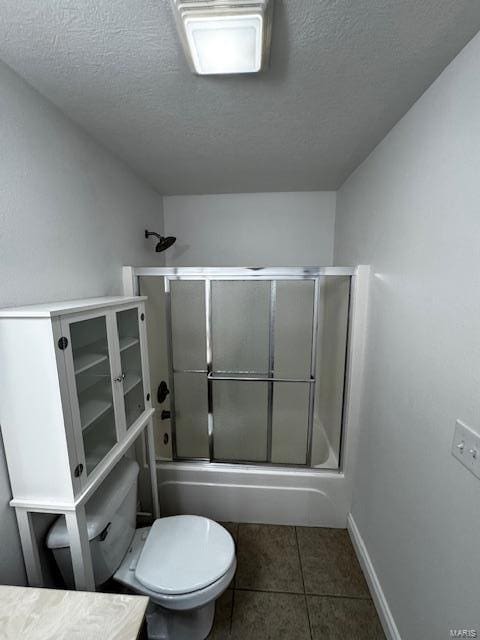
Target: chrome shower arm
[152, 233]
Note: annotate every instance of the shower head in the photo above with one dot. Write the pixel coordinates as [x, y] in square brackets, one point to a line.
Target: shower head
[163, 243]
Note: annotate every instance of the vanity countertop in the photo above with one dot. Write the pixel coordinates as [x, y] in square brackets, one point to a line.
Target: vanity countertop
[53, 614]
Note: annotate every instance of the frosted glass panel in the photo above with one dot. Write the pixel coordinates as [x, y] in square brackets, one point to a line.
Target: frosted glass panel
[290, 422]
[240, 420]
[332, 345]
[91, 365]
[293, 328]
[188, 324]
[154, 288]
[131, 359]
[191, 413]
[240, 325]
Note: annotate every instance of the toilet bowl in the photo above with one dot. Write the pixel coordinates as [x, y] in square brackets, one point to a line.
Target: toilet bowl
[181, 608]
[182, 563]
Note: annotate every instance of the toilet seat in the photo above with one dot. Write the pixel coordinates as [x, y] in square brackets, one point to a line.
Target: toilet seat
[126, 574]
[183, 554]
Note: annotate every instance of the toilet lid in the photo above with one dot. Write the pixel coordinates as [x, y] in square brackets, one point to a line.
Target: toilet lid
[184, 554]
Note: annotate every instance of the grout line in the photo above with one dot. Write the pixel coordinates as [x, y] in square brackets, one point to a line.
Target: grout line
[308, 617]
[303, 583]
[299, 593]
[336, 595]
[299, 559]
[284, 593]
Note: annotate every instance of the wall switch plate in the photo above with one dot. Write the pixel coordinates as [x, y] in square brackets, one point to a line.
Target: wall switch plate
[466, 447]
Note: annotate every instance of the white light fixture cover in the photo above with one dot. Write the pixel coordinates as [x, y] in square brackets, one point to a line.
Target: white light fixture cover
[225, 36]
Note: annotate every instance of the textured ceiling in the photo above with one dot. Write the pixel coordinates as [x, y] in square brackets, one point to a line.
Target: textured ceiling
[342, 73]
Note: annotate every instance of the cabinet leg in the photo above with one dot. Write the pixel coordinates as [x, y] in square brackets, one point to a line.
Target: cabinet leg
[29, 547]
[80, 550]
[152, 465]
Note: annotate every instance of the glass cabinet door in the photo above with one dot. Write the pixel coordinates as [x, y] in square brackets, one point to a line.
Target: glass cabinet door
[131, 364]
[93, 382]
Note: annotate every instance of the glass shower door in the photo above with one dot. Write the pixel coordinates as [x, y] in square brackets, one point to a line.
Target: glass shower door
[262, 377]
[189, 369]
[241, 314]
[240, 421]
[293, 339]
[240, 326]
[257, 364]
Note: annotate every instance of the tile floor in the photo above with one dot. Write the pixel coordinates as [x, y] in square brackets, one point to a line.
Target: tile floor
[295, 583]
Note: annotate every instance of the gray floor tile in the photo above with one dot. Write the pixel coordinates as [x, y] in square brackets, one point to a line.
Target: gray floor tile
[269, 616]
[341, 618]
[329, 563]
[268, 559]
[223, 617]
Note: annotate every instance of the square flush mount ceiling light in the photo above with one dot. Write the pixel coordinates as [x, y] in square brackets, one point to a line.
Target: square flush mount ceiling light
[225, 37]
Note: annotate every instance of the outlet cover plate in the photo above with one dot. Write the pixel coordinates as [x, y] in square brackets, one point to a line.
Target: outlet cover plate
[466, 447]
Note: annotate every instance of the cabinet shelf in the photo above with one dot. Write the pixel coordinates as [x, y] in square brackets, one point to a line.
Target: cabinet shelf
[95, 406]
[89, 357]
[87, 361]
[127, 342]
[132, 379]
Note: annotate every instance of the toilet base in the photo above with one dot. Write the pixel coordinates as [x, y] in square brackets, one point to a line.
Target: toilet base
[190, 624]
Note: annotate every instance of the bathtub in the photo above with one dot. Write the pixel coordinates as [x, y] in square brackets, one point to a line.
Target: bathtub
[316, 496]
[247, 493]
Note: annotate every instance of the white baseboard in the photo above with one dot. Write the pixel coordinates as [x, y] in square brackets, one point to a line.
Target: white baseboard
[381, 604]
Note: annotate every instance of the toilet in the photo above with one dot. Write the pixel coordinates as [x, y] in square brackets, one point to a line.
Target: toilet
[183, 563]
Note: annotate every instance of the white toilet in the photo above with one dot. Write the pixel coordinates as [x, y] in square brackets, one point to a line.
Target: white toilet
[183, 563]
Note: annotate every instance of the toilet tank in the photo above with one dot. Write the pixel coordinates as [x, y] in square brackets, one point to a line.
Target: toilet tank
[111, 518]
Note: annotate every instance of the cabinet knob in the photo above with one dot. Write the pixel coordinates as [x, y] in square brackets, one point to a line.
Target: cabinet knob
[62, 343]
[78, 470]
[119, 378]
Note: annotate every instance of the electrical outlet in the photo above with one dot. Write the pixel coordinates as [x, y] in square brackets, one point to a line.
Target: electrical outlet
[466, 447]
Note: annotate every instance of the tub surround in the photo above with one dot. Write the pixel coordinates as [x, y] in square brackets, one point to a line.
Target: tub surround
[250, 229]
[53, 613]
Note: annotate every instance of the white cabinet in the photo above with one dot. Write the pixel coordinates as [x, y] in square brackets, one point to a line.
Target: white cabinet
[74, 395]
[107, 378]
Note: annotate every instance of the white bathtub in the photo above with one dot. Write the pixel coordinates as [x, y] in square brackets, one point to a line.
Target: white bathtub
[244, 493]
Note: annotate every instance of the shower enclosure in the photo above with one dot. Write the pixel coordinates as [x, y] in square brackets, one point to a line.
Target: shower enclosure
[250, 363]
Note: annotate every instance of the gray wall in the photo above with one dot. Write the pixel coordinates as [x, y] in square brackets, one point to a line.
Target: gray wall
[412, 211]
[258, 229]
[70, 216]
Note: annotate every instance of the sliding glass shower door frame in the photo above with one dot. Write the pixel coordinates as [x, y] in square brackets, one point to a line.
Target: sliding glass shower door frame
[273, 275]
